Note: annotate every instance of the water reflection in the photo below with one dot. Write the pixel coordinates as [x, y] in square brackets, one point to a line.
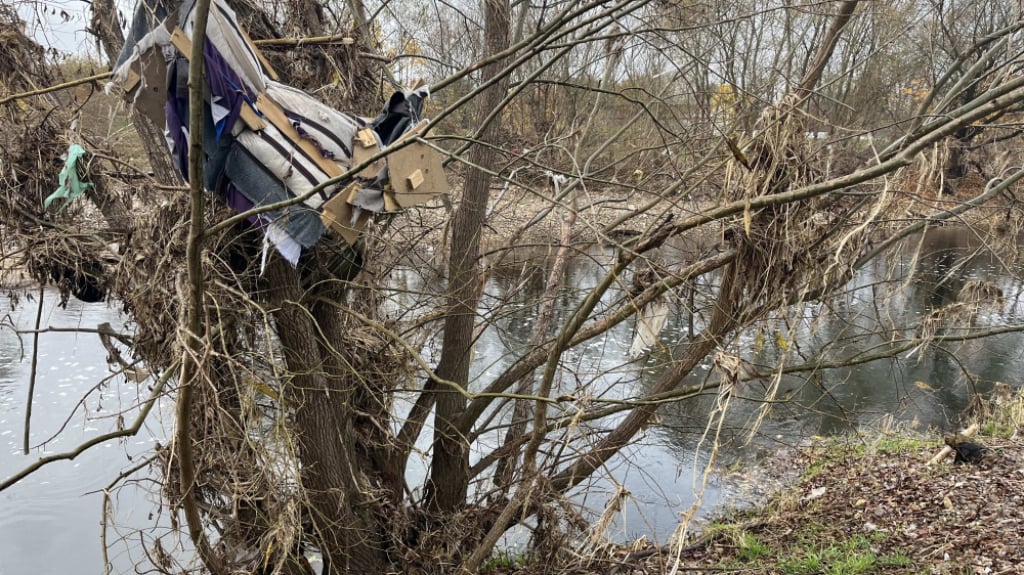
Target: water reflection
[924, 388]
[51, 520]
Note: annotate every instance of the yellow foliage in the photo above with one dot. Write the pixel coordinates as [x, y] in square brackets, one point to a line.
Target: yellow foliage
[759, 341]
[724, 99]
[780, 340]
[915, 90]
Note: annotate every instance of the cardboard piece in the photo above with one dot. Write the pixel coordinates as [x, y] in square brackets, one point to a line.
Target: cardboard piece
[365, 147]
[417, 172]
[337, 215]
[146, 86]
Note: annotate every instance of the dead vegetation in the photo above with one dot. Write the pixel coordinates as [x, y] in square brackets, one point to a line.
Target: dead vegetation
[863, 505]
[295, 430]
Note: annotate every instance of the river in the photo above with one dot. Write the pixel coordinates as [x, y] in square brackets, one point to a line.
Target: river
[51, 520]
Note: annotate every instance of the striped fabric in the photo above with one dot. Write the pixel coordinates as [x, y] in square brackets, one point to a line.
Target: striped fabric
[286, 154]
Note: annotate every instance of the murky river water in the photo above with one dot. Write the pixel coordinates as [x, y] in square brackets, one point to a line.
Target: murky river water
[50, 523]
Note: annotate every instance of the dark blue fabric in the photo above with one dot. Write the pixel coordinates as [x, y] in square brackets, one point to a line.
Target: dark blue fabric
[262, 188]
[176, 112]
[217, 149]
[223, 82]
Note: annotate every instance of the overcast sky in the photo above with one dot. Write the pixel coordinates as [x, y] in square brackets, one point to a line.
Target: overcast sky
[60, 24]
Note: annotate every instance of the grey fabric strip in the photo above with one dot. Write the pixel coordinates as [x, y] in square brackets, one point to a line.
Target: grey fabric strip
[262, 188]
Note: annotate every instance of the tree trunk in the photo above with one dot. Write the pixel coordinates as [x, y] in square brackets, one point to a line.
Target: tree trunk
[449, 473]
[339, 504]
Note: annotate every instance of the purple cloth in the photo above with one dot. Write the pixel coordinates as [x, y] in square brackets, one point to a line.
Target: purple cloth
[224, 83]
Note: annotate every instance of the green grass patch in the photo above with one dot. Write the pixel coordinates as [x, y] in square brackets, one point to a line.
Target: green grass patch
[503, 561]
[814, 550]
[814, 469]
[854, 556]
[998, 429]
[896, 444]
[751, 548]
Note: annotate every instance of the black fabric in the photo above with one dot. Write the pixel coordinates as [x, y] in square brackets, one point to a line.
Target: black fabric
[401, 113]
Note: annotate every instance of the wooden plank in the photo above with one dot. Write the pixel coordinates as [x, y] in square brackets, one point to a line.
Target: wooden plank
[273, 112]
[132, 81]
[414, 180]
[251, 118]
[366, 138]
[263, 59]
[182, 42]
[390, 204]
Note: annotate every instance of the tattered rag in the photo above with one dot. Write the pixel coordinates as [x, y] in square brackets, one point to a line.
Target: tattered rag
[70, 186]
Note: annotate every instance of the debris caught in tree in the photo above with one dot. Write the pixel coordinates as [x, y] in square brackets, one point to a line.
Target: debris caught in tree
[266, 142]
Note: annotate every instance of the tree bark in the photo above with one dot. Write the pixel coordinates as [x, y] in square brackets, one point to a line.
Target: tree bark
[449, 473]
[339, 504]
[827, 47]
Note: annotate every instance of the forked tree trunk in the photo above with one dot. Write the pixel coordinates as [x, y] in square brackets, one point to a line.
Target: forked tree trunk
[449, 472]
[345, 526]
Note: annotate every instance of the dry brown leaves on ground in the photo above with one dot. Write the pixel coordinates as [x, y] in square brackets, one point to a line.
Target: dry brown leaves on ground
[860, 510]
[946, 519]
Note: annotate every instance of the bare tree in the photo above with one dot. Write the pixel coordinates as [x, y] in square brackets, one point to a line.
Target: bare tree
[308, 395]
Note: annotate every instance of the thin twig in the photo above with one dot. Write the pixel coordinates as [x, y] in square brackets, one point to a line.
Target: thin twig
[32, 372]
[105, 512]
[128, 432]
[315, 40]
[55, 88]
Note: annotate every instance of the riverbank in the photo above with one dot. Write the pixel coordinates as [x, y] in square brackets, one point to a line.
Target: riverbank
[863, 505]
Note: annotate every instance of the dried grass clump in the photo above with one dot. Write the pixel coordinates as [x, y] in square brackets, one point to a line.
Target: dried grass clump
[981, 292]
[65, 247]
[1001, 410]
[336, 72]
[938, 320]
[156, 253]
[29, 128]
[789, 249]
[974, 295]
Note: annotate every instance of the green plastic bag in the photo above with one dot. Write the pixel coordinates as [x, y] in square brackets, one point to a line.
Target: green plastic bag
[70, 186]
